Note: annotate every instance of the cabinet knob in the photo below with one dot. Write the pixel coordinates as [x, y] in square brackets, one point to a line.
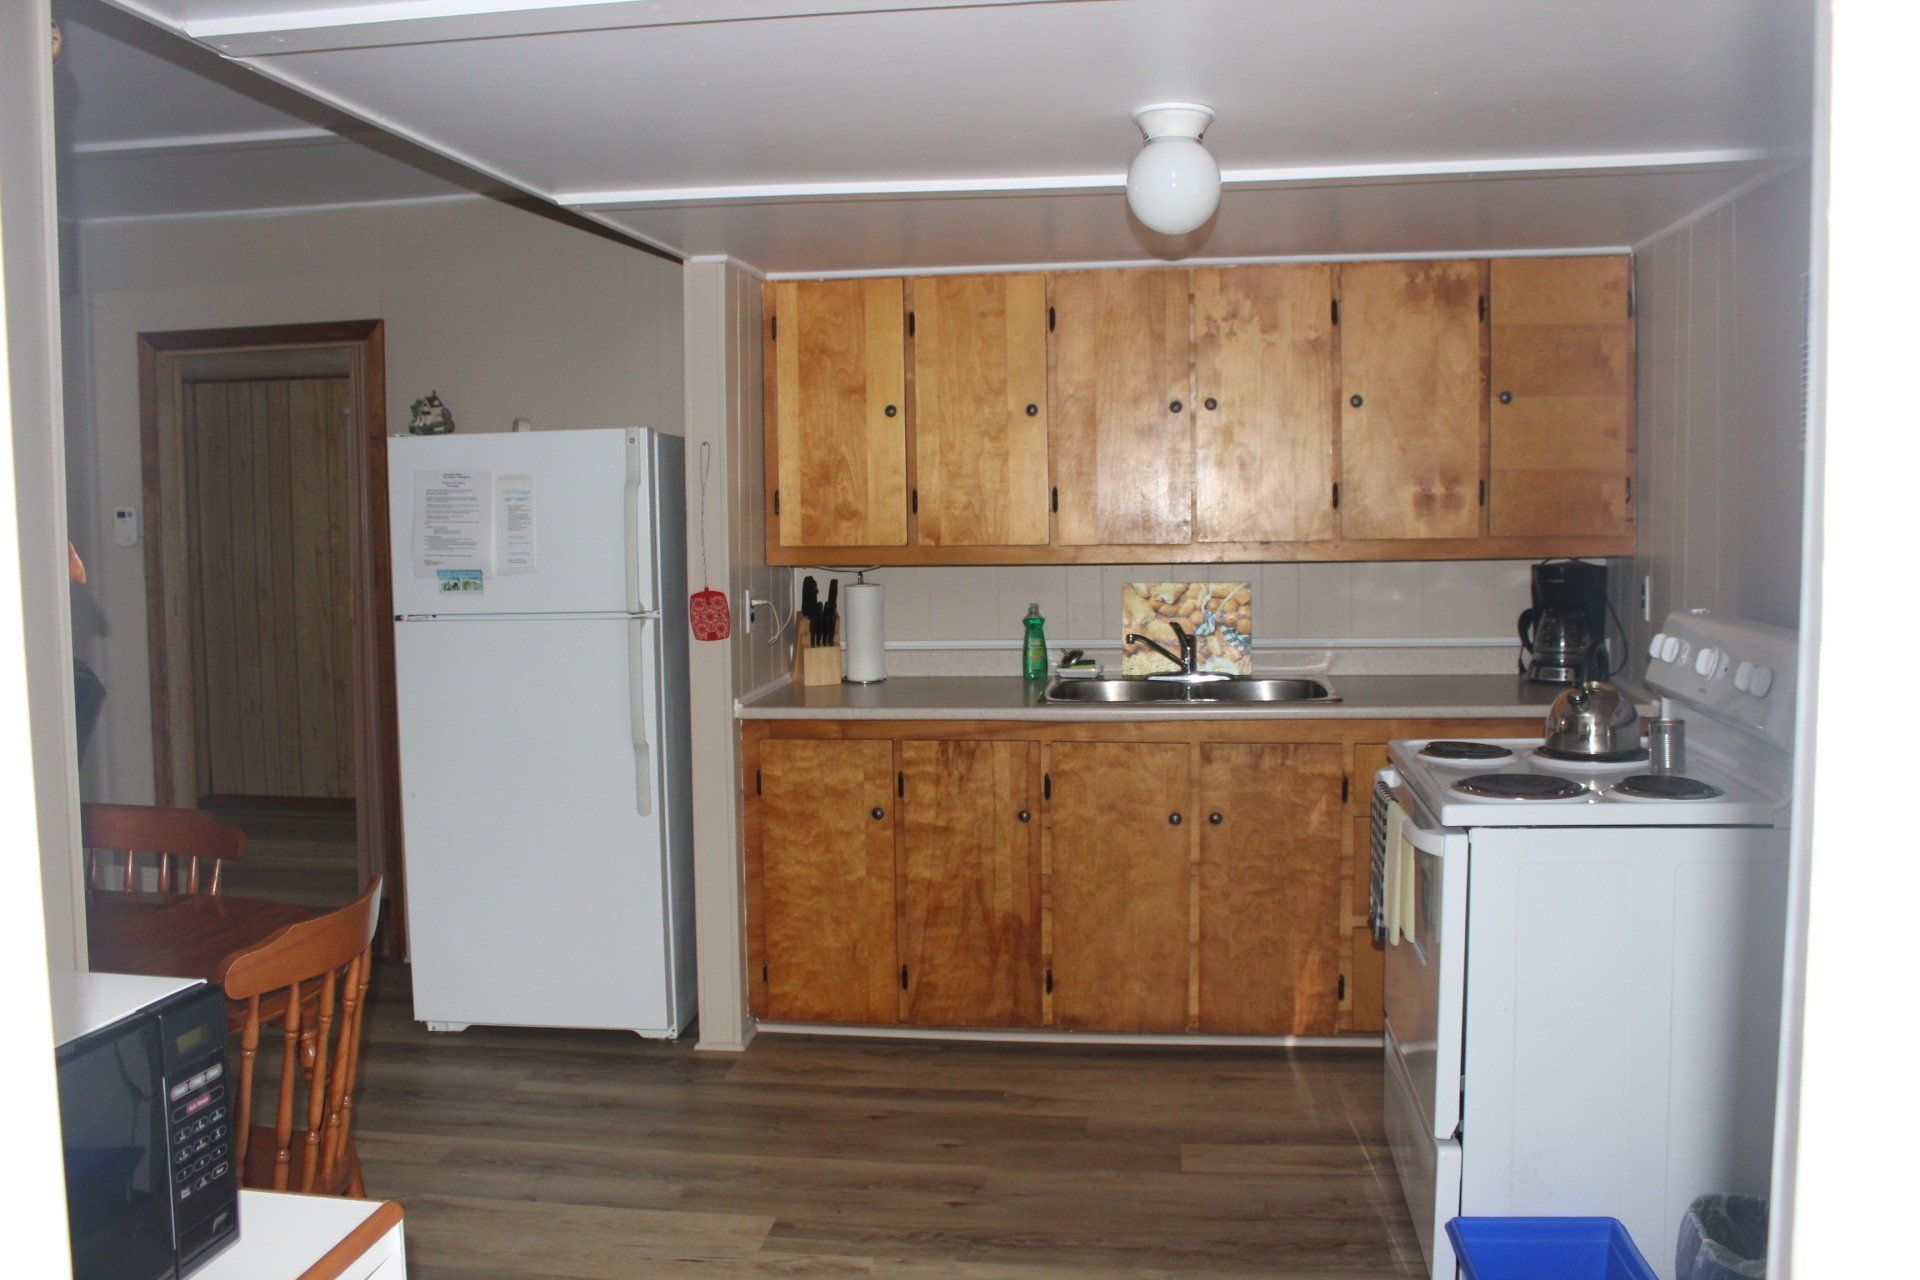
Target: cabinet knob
[1026, 815]
[1175, 407]
[1357, 401]
[892, 409]
[878, 813]
[1506, 397]
[1215, 819]
[1212, 403]
[1033, 410]
[1173, 819]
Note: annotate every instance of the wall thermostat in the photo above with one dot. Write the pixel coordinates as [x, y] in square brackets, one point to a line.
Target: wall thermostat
[126, 526]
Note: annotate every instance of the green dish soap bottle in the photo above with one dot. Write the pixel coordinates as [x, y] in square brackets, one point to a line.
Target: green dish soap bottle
[1033, 652]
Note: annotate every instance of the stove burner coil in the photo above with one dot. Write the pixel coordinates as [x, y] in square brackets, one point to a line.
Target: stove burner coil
[1519, 786]
[1453, 749]
[1665, 786]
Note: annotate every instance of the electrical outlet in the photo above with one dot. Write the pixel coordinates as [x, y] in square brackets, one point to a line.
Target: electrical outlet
[1646, 598]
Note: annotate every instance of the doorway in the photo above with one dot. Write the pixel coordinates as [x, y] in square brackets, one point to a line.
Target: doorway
[264, 478]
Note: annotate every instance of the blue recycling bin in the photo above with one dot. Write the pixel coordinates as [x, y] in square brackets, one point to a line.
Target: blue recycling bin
[1546, 1249]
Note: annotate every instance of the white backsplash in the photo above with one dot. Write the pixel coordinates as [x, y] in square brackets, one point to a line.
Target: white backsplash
[1391, 617]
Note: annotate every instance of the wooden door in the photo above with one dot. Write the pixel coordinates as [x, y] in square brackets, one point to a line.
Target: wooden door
[1561, 397]
[1121, 440]
[980, 409]
[1119, 868]
[1270, 871]
[1264, 384]
[264, 463]
[837, 412]
[826, 894]
[1364, 1007]
[1412, 427]
[969, 890]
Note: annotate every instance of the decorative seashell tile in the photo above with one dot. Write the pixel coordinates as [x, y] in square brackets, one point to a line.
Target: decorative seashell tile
[1218, 615]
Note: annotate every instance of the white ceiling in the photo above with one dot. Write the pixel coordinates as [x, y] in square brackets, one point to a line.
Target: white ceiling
[824, 135]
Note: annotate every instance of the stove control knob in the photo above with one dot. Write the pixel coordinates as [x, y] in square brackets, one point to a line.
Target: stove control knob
[1709, 663]
[1743, 677]
[1672, 649]
[1762, 682]
[1655, 645]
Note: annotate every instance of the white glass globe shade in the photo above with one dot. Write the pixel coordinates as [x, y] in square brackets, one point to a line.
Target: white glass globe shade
[1173, 185]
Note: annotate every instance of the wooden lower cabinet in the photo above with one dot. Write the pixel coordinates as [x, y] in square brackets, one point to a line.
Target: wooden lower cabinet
[827, 881]
[1169, 877]
[969, 884]
[1119, 863]
[1270, 841]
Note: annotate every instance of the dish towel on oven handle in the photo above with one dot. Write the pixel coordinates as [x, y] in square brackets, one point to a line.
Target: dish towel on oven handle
[1386, 815]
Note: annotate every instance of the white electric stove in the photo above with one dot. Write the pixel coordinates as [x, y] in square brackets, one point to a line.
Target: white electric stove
[1583, 958]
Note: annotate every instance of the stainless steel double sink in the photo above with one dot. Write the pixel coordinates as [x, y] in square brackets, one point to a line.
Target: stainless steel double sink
[1138, 689]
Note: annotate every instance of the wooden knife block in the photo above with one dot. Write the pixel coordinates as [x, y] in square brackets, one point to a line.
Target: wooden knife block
[816, 666]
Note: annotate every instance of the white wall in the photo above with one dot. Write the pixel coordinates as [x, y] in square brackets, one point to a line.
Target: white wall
[505, 313]
[1722, 411]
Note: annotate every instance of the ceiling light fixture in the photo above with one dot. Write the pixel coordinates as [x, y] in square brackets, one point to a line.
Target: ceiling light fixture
[1173, 185]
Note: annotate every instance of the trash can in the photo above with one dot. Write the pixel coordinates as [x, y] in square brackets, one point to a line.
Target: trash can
[1723, 1237]
[1546, 1249]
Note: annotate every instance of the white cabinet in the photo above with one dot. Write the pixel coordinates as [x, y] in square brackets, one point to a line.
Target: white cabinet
[290, 1237]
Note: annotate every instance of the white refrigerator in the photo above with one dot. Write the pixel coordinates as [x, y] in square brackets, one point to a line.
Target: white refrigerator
[540, 646]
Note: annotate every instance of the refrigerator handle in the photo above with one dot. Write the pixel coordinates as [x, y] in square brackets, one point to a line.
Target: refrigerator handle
[637, 712]
[637, 511]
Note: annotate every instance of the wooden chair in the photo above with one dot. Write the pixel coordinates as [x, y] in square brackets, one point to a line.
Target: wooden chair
[178, 838]
[310, 981]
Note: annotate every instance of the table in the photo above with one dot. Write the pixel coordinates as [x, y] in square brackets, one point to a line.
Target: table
[178, 935]
[287, 1236]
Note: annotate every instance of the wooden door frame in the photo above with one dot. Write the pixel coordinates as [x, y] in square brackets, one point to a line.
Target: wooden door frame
[376, 721]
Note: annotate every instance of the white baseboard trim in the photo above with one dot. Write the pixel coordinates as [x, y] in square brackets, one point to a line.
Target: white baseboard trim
[1072, 1037]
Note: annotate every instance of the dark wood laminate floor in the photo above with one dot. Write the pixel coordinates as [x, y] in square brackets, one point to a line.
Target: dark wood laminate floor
[297, 855]
[523, 1155]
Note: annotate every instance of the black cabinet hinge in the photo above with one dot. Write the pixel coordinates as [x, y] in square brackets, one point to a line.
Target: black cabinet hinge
[903, 977]
[756, 783]
[1483, 493]
[1346, 790]
[763, 975]
[916, 502]
[1483, 308]
[1056, 499]
[1336, 495]
[1629, 304]
[1049, 982]
[1336, 311]
[1629, 480]
[909, 324]
[900, 785]
[1050, 319]
[776, 502]
[773, 329]
[1343, 986]
[1046, 786]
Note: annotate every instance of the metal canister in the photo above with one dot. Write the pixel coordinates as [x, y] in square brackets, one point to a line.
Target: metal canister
[1667, 745]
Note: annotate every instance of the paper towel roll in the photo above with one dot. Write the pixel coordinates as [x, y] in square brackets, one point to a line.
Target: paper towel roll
[866, 659]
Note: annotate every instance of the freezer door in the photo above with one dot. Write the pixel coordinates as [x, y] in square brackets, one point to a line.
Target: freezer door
[534, 857]
[589, 523]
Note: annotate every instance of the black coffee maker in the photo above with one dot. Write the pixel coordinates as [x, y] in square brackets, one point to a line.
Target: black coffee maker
[1563, 636]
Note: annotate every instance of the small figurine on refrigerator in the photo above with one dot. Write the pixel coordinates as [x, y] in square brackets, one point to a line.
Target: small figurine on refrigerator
[431, 417]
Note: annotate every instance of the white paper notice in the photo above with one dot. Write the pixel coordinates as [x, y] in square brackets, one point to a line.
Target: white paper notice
[452, 522]
[519, 540]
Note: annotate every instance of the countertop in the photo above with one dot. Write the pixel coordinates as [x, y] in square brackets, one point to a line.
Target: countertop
[1362, 697]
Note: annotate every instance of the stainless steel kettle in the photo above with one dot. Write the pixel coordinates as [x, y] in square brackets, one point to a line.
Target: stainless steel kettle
[1593, 719]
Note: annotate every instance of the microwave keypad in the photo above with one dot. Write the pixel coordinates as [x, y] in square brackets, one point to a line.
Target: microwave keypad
[201, 1143]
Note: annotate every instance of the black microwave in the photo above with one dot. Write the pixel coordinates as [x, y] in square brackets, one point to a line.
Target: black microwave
[147, 1119]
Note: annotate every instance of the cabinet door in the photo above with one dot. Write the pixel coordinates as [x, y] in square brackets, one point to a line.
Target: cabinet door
[1119, 852]
[980, 409]
[838, 412]
[969, 884]
[1561, 410]
[1270, 872]
[1122, 432]
[1412, 399]
[1264, 388]
[1366, 966]
[826, 841]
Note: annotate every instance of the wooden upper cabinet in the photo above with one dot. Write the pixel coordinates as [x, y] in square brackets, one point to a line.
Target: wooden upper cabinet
[836, 412]
[969, 890]
[980, 409]
[1412, 402]
[1122, 429]
[826, 881]
[1561, 392]
[1270, 888]
[1264, 383]
[1120, 867]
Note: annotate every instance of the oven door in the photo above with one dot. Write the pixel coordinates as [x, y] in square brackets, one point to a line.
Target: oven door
[1426, 970]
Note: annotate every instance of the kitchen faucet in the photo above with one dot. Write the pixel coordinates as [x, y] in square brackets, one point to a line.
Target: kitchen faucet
[1185, 660]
